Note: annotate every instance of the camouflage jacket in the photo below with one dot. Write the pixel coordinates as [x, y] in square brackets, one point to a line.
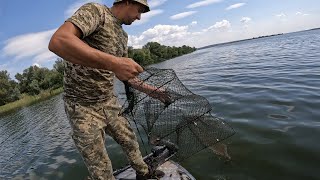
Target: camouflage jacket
[102, 31]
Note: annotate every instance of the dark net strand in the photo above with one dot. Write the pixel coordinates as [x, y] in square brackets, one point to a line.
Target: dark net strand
[171, 114]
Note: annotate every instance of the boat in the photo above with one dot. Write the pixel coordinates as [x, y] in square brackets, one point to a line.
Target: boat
[171, 169]
[158, 159]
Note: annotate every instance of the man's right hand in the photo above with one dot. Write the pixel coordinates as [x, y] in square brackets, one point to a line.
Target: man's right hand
[126, 68]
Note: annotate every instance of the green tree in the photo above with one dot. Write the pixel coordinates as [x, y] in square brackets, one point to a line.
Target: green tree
[25, 79]
[142, 56]
[153, 52]
[130, 51]
[57, 75]
[33, 87]
[8, 88]
[59, 66]
[35, 79]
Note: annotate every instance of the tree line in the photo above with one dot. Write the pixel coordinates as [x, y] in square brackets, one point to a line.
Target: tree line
[154, 52]
[35, 79]
[31, 81]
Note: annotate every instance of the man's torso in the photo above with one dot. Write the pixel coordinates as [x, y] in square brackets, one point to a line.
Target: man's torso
[90, 84]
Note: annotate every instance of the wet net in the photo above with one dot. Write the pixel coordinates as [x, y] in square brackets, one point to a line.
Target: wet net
[172, 115]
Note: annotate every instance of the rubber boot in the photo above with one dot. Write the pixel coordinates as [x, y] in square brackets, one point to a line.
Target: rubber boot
[157, 174]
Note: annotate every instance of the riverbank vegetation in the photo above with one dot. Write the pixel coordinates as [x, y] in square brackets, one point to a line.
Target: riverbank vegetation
[27, 100]
[38, 83]
[32, 85]
[154, 52]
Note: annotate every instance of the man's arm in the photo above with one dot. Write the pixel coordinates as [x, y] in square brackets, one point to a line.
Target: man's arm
[67, 44]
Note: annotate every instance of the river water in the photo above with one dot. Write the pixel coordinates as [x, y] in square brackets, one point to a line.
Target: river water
[267, 89]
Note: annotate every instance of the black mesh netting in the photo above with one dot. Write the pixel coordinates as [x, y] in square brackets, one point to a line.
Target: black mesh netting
[171, 114]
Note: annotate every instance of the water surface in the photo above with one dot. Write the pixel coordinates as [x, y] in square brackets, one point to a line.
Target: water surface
[267, 89]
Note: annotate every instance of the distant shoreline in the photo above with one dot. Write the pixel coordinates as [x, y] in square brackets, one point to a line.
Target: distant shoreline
[28, 100]
[259, 37]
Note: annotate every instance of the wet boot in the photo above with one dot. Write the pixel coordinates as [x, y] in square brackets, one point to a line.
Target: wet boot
[157, 174]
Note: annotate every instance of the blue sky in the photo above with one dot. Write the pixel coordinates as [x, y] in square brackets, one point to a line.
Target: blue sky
[26, 26]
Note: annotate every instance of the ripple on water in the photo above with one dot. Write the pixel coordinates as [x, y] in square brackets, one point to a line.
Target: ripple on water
[278, 116]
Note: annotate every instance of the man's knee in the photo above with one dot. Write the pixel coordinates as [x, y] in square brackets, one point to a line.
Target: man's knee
[94, 154]
[88, 145]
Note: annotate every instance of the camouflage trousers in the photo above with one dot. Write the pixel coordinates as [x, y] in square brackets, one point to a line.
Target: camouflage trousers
[90, 123]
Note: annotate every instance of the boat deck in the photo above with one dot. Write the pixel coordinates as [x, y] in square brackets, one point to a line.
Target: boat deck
[172, 170]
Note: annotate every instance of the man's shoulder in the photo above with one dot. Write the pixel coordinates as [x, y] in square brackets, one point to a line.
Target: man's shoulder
[96, 7]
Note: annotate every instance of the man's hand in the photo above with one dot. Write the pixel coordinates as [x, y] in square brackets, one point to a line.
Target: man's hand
[126, 68]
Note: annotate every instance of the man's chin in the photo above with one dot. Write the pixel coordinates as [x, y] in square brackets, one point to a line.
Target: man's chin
[128, 23]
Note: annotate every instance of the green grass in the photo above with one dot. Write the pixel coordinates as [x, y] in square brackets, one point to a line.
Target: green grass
[27, 100]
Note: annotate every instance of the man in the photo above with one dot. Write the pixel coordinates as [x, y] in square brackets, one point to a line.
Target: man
[94, 47]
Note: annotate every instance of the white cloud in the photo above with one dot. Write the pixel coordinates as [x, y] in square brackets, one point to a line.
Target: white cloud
[221, 31]
[12, 70]
[281, 15]
[193, 23]
[182, 15]
[223, 25]
[234, 6]
[36, 64]
[75, 6]
[3, 66]
[174, 35]
[155, 3]
[147, 16]
[32, 45]
[25, 50]
[245, 20]
[164, 34]
[44, 57]
[301, 14]
[203, 3]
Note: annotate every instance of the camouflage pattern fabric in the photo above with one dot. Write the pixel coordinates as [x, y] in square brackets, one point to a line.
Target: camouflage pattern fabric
[89, 138]
[101, 30]
[90, 104]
